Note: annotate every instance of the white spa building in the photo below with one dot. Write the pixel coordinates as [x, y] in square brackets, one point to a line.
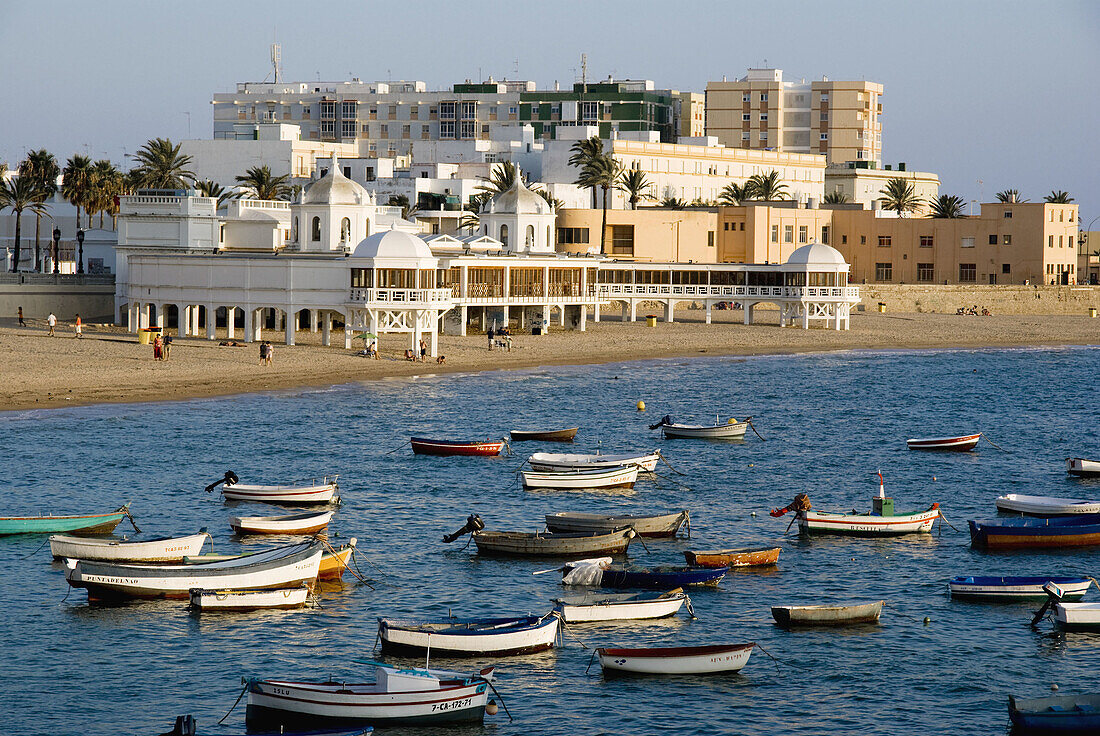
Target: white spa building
[335, 259]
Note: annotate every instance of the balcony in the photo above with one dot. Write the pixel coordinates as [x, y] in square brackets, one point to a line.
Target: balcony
[686, 291]
[402, 297]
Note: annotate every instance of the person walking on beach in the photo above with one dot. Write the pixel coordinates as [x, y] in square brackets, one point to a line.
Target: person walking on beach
[21, 322]
[491, 335]
[270, 353]
[79, 327]
[263, 353]
[52, 322]
[166, 350]
[423, 350]
[157, 347]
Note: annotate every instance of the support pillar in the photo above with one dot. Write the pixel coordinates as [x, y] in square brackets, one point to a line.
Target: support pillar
[326, 328]
[195, 320]
[626, 312]
[258, 324]
[130, 321]
[708, 311]
[484, 311]
[805, 316]
[249, 328]
[505, 316]
[347, 334]
[160, 318]
[211, 321]
[546, 318]
[143, 315]
[521, 323]
[313, 321]
[584, 317]
[748, 312]
[633, 310]
[561, 315]
[463, 312]
[230, 322]
[291, 323]
[669, 317]
[433, 336]
[596, 312]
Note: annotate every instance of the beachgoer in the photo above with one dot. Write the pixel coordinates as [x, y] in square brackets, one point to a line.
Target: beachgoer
[491, 335]
[158, 348]
[52, 322]
[423, 350]
[441, 359]
[263, 353]
[166, 351]
[270, 353]
[372, 350]
[79, 327]
[21, 322]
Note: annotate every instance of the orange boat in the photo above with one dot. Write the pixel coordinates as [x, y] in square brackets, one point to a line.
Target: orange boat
[335, 561]
[748, 557]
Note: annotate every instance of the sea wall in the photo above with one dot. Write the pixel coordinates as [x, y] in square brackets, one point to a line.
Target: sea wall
[997, 299]
[92, 297]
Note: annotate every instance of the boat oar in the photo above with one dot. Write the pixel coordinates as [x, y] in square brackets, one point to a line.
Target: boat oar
[748, 420]
[993, 443]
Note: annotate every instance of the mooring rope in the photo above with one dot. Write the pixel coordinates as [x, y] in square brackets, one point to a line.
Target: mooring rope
[48, 541]
[993, 443]
[399, 447]
[666, 462]
[753, 428]
[238, 700]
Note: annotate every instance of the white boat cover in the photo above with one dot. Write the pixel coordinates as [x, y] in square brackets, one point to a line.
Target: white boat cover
[586, 572]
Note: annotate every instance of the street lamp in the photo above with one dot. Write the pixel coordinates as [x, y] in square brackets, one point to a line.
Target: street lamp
[80, 247]
[56, 249]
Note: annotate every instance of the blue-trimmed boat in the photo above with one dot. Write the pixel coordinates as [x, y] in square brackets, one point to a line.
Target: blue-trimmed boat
[84, 524]
[665, 577]
[1082, 530]
[474, 637]
[1014, 588]
[1056, 714]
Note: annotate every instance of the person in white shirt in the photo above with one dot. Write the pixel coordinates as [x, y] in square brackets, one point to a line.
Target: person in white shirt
[52, 322]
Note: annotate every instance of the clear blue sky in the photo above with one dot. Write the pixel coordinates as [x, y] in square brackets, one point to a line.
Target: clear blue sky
[1002, 92]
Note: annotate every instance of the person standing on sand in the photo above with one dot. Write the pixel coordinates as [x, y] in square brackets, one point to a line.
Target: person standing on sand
[423, 350]
[270, 352]
[21, 322]
[157, 347]
[167, 349]
[52, 322]
[263, 353]
[79, 327]
[491, 335]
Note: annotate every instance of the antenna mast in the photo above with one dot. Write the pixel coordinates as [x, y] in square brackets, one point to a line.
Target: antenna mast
[276, 60]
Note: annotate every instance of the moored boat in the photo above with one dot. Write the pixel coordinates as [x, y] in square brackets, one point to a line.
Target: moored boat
[397, 697]
[662, 525]
[546, 544]
[1076, 616]
[1059, 714]
[307, 523]
[249, 600]
[859, 613]
[163, 549]
[962, 443]
[705, 660]
[333, 562]
[579, 480]
[1046, 505]
[747, 557]
[296, 495]
[1081, 467]
[728, 430]
[281, 567]
[448, 448]
[620, 606]
[476, 637]
[553, 435]
[74, 524]
[556, 462]
[1014, 588]
[663, 577]
[1028, 532]
[881, 521]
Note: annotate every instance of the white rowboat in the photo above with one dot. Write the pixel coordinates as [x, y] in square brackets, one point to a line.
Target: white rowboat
[1082, 467]
[165, 549]
[677, 660]
[487, 637]
[322, 492]
[731, 431]
[1046, 505]
[962, 443]
[248, 600]
[619, 606]
[560, 461]
[862, 613]
[1077, 616]
[618, 477]
[664, 525]
[290, 524]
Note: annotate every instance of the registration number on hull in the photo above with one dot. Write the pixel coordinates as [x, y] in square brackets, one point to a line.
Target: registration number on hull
[452, 705]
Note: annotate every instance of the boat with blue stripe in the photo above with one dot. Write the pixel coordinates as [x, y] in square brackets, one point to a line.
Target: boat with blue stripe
[1015, 587]
[1082, 530]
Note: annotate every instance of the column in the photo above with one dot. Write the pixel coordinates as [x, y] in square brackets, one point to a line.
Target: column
[596, 312]
[521, 323]
[143, 315]
[211, 320]
[561, 315]
[160, 317]
[195, 320]
[230, 322]
[433, 337]
[546, 318]
[626, 312]
[805, 316]
[633, 310]
[347, 334]
[313, 321]
[669, 317]
[584, 317]
[708, 310]
[482, 318]
[130, 321]
[291, 323]
[463, 313]
[249, 331]
[416, 331]
[326, 328]
[505, 318]
[748, 312]
[258, 323]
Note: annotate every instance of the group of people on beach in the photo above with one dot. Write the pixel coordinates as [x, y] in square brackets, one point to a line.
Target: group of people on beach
[502, 337]
[267, 350]
[51, 322]
[162, 347]
[974, 311]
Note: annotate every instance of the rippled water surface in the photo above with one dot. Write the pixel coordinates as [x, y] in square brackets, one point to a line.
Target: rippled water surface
[830, 422]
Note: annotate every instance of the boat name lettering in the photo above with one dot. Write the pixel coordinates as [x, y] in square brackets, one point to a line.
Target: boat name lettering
[109, 579]
[452, 705]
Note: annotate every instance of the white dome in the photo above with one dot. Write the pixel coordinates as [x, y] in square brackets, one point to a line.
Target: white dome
[396, 244]
[519, 200]
[335, 188]
[816, 254]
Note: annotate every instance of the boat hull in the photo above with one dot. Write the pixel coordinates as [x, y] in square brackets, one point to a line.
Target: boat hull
[291, 495]
[867, 525]
[168, 549]
[557, 435]
[712, 432]
[333, 564]
[559, 462]
[733, 557]
[591, 609]
[86, 524]
[523, 544]
[1083, 468]
[863, 613]
[1077, 616]
[1046, 505]
[448, 448]
[1034, 533]
[1058, 714]
[248, 600]
[676, 660]
[292, 524]
[512, 637]
[579, 480]
[661, 579]
[1016, 588]
[665, 525]
[963, 443]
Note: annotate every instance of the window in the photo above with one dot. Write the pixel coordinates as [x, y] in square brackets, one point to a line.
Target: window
[446, 130]
[824, 117]
[824, 137]
[1006, 239]
[745, 97]
[1006, 268]
[406, 130]
[927, 241]
[884, 241]
[992, 239]
[745, 135]
[726, 226]
[328, 110]
[775, 233]
[763, 117]
[1061, 215]
[447, 110]
[884, 272]
[345, 230]
[347, 172]
[763, 96]
[824, 97]
[349, 109]
[863, 240]
[967, 243]
[529, 241]
[468, 128]
[622, 240]
[1050, 241]
[573, 235]
[742, 227]
[347, 128]
[926, 272]
[968, 273]
[534, 109]
[469, 110]
[504, 235]
[745, 117]
[328, 128]
[294, 230]
[588, 112]
[763, 135]
[1008, 214]
[844, 240]
[414, 112]
[803, 234]
[788, 233]
[315, 230]
[513, 110]
[825, 234]
[1060, 241]
[710, 238]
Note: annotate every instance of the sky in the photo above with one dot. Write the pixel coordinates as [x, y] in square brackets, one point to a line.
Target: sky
[988, 95]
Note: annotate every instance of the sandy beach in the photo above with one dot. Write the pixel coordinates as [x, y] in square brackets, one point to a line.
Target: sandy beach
[108, 365]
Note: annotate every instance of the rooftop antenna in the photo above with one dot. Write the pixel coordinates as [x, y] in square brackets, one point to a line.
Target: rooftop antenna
[515, 68]
[276, 60]
[584, 72]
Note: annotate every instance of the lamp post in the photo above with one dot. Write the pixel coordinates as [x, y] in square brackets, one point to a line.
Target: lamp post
[80, 251]
[56, 249]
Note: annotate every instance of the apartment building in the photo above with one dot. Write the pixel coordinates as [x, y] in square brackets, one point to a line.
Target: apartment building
[692, 114]
[862, 184]
[838, 119]
[649, 234]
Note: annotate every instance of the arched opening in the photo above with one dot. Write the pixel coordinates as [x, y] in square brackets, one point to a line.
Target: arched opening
[315, 230]
[345, 230]
[530, 236]
[504, 235]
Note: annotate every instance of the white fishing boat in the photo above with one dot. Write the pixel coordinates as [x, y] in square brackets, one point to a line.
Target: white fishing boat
[704, 660]
[867, 525]
[162, 549]
[620, 606]
[579, 480]
[860, 613]
[1082, 467]
[310, 493]
[249, 600]
[1016, 587]
[662, 525]
[962, 443]
[281, 567]
[1046, 505]
[556, 462]
[731, 429]
[307, 523]
[1077, 616]
[397, 697]
[477, 637]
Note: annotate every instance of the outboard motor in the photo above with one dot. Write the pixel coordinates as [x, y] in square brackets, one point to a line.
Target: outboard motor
[474, 524]
[1054, 595]
[664, 420]
[230, 478]
[185, 726]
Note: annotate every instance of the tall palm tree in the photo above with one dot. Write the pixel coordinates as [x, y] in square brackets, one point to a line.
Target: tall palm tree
[1058, 197]
[18, 194]
[41, 166]
[1010, 196]
[900, 195]
[584, 152]
[601, 173]
[258, 183]
[635, 186]
[837, 197]
[768, 187]
[76, 183]
[471, 219]
[555, 203]
[947, 206]
[107, 184]
[734, 194]
[210, 188]
[501, 178]
[162, 166]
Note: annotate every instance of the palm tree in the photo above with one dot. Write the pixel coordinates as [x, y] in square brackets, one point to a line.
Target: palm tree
[635, 186]
[900, 195]
[18, 194]
[584, 152]
[601, 172]
[1010, 196]
[837, 197]
[768, 187]
[76, 183]
[734, 194]
[42, 168]
[673, 202]
[210, 188]
[501, 178]
[402, 201]
[162, 166]
[947, 206]
[471, 219]
[1058, 197]
[258, 183]
[107, 184]
[554, 202]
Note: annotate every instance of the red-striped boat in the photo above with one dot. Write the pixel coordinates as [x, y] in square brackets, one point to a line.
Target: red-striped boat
[963, 443]
[488, 448]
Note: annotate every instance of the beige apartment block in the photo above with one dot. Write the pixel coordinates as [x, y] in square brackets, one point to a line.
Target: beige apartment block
[838, 119]
[864, 185]
[648, 234]
[693, 114]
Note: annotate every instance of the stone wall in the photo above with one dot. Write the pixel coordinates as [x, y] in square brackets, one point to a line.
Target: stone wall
[997, 299]
[92, 297]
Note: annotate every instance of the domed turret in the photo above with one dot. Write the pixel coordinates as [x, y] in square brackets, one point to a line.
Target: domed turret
[816, 254]
[335, 188]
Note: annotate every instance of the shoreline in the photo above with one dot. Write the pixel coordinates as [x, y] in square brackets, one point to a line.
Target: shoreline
[107, 366]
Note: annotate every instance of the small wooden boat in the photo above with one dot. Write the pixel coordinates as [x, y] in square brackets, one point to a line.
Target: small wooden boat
[663, 525]
[1081, 467]
[249, 600]
[1046, 505]
[333, 562]
[307, 523]
[962, 443]
[547, 544]
[619, 606]
[281, 567]
[860, 613]
[706, 660]
[749, 557]
[163, 549]
[555, 462]
[881, 521]
[399, 696]
[1026, 532]
[1077, 616]
[665, 577]
[77, 524]
[728, 430]
[553, 435]
[1059, 714]
[579, 480]
[476, 637]
[322, 492]
[1014, 588]
[447, 448]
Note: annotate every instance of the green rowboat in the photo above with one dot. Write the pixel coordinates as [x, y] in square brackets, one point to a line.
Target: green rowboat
[86, 524]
